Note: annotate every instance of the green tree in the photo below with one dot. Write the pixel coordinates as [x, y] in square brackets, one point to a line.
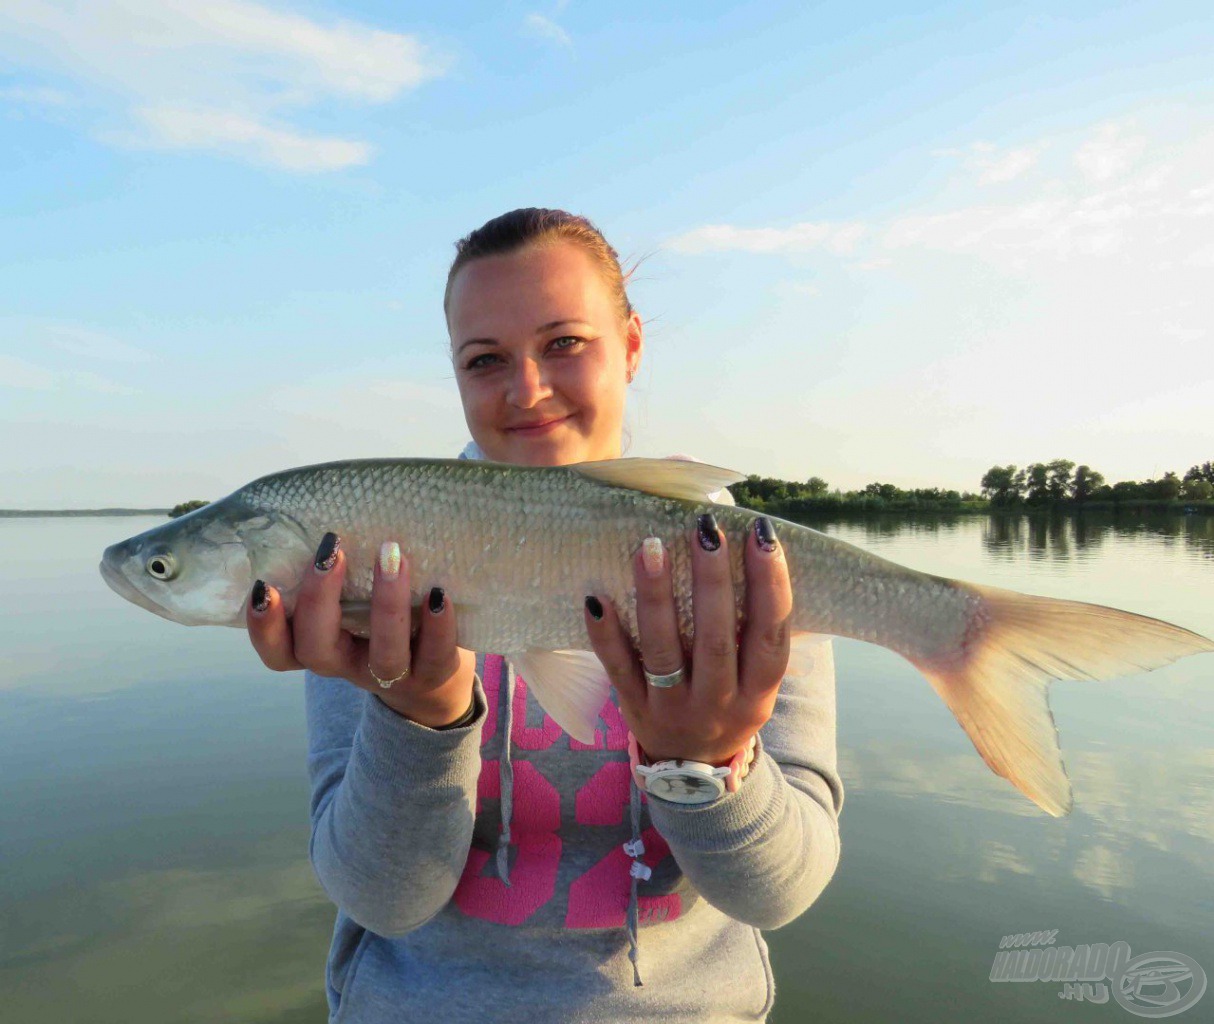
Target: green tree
[1203, 472]
[1037, 484]
[1003, 485]
[1085, 483]
[186, 506]
[1165, 489]
[886, 492]
[1197, 489]
[1059, 485]
[816, 487]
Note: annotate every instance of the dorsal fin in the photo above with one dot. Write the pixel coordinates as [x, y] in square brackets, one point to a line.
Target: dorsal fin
[667, 478]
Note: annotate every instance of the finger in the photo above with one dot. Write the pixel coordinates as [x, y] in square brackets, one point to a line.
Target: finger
[614, 650]
[391, 614]
[269, 631]
[436, 657]
[657, 619]
[714, 654]
[765, 637]
[320, 642]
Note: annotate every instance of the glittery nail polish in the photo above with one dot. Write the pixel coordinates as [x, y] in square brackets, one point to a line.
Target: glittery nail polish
[389, 560]
[708, 532]
[260, 598]
[326, 554]
[651, 556]
[595, 607]
[765, 534]
[437, 597]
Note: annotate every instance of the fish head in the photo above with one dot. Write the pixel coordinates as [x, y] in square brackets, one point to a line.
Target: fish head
[198, 570]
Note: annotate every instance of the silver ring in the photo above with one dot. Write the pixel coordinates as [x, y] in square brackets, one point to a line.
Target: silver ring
[663, 682]
[386, 684]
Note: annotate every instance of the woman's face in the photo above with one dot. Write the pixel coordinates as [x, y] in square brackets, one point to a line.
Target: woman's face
[541, 356]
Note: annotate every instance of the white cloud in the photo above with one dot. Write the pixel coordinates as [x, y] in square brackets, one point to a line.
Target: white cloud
[89, 344]
[242, 136]
[993, 166]
[835, 237]
[21, 375]
[35, 96]
[1111, 151]
[221, 75]
[545, 28]
[1118, 195]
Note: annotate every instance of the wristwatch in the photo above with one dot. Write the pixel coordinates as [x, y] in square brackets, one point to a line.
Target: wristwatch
[685, 782]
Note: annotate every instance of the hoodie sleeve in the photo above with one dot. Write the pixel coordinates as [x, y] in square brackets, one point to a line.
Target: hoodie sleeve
[762, 855]
[392, 806]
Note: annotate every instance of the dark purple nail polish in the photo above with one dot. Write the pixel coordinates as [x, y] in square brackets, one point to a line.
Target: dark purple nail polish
[765, 534]
[709, 534]
[326, 554]
[260, 598]
[595, 607]
[437, 597]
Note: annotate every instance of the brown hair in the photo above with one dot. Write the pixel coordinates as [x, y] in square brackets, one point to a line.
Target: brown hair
[535, 226]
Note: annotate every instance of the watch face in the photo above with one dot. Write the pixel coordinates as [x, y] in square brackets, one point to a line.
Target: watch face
[684, 788]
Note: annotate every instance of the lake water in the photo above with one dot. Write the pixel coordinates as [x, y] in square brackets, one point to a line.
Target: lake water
[153, 801]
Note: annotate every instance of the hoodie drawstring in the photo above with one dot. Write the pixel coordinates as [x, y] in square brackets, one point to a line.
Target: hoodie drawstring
[638, 872]
[506, 773]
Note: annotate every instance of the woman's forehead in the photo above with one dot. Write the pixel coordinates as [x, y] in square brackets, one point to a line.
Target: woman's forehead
[524, 290]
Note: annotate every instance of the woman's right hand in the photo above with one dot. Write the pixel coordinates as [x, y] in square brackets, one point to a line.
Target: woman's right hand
[437, 690]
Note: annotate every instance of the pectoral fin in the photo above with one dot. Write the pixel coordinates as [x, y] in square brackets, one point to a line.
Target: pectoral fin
[570, 685]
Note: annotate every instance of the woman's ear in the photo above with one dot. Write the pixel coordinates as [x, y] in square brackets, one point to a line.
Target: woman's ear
[634, 343]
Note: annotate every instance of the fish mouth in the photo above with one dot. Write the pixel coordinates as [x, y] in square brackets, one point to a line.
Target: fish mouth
[123, 587]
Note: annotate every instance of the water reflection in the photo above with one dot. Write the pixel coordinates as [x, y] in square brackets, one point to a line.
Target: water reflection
[1061, 537]
[1107, 831]
[1039, 536]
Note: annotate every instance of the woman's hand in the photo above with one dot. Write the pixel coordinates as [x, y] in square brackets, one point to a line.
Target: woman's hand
[437, 689]
[729, 688]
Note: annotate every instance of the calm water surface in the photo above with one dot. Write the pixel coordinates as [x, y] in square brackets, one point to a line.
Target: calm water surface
[153, 801]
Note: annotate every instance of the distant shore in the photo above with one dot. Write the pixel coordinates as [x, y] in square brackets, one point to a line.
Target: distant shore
[38, 513]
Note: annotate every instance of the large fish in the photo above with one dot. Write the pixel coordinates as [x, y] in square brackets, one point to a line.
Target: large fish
[517, 548]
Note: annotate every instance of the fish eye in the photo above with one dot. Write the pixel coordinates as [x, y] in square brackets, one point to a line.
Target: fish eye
[162, 566]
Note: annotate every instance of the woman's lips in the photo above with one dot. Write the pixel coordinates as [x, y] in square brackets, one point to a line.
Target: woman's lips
[537, 429]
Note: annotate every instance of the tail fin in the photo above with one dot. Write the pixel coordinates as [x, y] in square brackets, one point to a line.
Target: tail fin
[997, 685]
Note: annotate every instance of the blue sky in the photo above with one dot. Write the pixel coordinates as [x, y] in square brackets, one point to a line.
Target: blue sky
[879, 245]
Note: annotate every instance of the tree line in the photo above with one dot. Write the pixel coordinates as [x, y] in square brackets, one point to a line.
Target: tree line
[1039, 485]
[1061, 482]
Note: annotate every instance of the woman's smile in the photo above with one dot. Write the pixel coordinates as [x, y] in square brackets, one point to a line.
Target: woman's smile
[539, 427]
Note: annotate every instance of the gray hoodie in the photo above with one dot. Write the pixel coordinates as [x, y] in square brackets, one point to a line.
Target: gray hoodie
[406, 828]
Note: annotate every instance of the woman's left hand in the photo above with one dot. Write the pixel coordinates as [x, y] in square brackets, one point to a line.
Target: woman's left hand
[729, 687]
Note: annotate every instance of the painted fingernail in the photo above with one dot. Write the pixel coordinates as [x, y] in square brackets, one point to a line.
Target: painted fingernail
[765, 534]
[595, 607]
[326, 554]
[437, 597]
[389, 560]
[260, 598]
[709, 533]
[651, 556]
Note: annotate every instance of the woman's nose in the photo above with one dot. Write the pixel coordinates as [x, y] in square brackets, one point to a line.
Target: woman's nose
[528, 387]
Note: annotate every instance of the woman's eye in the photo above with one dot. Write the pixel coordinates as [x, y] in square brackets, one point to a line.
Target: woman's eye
[565, 343]
[477, 362]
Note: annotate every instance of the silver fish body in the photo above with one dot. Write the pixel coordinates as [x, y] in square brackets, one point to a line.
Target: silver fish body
[518, 548]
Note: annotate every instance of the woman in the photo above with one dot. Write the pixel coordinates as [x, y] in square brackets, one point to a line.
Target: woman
[485, 865]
